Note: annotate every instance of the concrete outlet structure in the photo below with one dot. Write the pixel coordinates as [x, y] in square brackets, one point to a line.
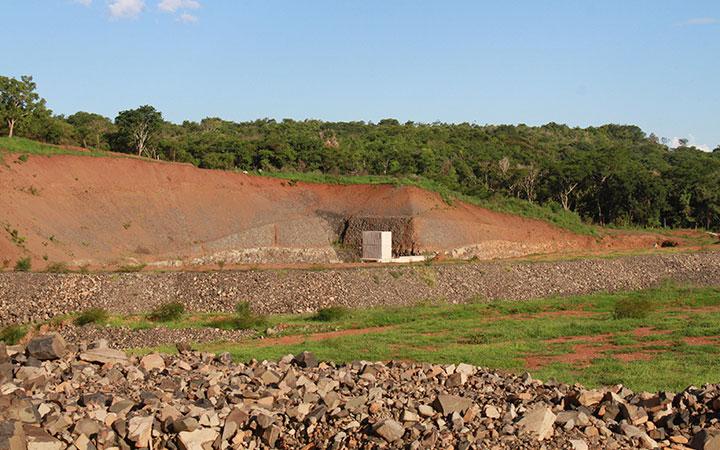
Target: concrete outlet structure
[377, 246]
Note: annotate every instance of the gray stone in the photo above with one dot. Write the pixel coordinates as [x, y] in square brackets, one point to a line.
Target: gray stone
[47, 347]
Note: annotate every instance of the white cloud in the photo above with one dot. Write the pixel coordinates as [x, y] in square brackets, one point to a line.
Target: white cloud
[124, 9]
[691, 142]
[187, 18]
[172, 6]
[699, 21]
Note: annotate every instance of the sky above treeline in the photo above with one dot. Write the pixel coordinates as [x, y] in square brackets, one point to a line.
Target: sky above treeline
[652, 63]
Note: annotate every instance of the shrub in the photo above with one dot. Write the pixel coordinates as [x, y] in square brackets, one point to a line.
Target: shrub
[331, 314]
[131, 268]
[632, 308]
[58, 267]
[23, 265]
[167, 312]
[243, 319]
[92, 315]
[11, 335]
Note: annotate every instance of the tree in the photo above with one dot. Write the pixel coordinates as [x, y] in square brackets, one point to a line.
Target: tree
[90, 127]
[18, 100]
[137, 126]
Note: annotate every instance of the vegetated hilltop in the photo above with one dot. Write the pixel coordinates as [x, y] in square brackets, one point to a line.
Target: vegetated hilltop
[113, 212]
[612, 174]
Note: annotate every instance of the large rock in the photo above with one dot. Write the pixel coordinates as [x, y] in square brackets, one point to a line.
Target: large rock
[140, 430]
[104, 356]
[201, 439]
[47, 347]
[12, 436]
[706, 440]
[22, 410]
[389, 430]
[539, 422]
[448, 404]
[306, 360]
[39, 439]
[153, 361]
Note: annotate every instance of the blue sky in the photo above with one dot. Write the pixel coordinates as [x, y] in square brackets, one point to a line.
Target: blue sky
[653, 63]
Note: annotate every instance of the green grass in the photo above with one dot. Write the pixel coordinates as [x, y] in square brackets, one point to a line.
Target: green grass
[12, 334]
[23, 265]
[30, 147]
[243, 319]
[92, 315]
[130, 268]
[331, 314]
[167, 312]
[503, 334]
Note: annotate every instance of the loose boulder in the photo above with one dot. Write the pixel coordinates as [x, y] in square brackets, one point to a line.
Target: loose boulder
[47, 347]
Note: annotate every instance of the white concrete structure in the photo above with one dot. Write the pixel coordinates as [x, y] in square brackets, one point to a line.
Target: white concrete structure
[377, 246]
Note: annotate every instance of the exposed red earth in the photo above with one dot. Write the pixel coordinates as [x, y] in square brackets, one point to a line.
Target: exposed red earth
[107, 212]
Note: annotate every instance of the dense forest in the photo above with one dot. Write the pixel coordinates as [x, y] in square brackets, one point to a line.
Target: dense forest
[612, 174]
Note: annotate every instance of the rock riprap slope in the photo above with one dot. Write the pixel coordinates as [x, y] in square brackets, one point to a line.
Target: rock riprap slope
[54, 395]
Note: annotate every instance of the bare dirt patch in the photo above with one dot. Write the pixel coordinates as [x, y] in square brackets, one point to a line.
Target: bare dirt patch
[702, 340]
[585, 349]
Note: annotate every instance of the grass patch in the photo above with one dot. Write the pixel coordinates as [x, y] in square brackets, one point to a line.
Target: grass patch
[12, 334]
[130, 268]
[167, 312]
[331, 314]
[29, 147]
[23, 265]
[92, 315]
[632, 308]
[57, 267]
[243, 319]
[502, 334]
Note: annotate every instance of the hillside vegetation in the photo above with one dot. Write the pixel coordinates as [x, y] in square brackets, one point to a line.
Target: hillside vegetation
[613, 174]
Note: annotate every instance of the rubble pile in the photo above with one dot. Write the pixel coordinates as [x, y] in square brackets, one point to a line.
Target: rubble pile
[55, 395]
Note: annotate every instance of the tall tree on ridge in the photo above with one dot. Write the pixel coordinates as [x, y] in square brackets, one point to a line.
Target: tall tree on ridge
[137, 127]
[18, 100]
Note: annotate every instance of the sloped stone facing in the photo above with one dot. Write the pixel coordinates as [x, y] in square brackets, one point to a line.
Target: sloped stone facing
[32, 297]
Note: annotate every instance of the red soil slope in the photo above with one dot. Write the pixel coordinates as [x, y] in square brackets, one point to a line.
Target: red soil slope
[106, 212]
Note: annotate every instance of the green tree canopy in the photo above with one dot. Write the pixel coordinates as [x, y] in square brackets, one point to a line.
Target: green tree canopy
[91, 128]
[136, 127]
[18, 100]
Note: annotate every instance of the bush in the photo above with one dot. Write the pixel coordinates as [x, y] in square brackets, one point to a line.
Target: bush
[11, 335]
[243, 319]
[632, 308]
[23, 265]
[167, 312]
[331, 314]
[58, 267]
[131, 268]
[92, 315]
